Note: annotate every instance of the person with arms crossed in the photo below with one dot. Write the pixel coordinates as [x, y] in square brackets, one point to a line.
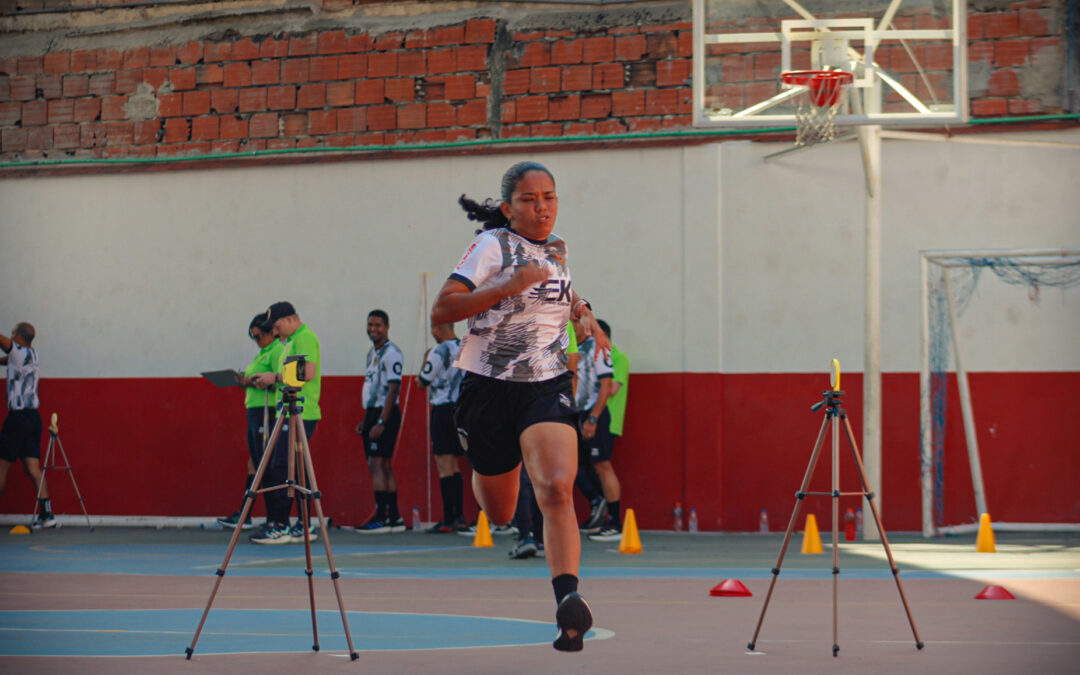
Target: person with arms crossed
[514, 287]
[20, 437]
[382, 421]
[299, 339]
[443, 383]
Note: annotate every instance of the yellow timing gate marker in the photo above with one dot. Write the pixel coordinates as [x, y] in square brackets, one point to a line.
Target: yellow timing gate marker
[836, 375]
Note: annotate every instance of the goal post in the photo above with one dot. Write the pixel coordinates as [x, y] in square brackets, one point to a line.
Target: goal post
[949, 280]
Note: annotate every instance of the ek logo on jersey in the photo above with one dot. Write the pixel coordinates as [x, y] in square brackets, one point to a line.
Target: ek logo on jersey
[552, 290]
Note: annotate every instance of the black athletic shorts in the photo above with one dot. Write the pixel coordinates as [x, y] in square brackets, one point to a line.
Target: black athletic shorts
[444, 438]
[384, 446]
[492, 414]
[598, 448]
[21, 435]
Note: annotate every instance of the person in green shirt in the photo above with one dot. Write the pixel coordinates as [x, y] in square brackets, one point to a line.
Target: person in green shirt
[259, 403]
[299, 339]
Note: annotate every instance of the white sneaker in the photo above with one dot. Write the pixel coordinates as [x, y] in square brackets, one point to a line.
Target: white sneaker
[44, 520]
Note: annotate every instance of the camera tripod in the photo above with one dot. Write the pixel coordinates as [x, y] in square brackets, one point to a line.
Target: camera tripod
[54, 442]
[833, 410]
[300, 472]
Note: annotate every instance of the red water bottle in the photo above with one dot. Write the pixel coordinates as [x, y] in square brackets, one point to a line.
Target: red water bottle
[849, 525]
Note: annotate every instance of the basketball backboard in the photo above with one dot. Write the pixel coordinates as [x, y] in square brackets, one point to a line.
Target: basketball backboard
[908, 59]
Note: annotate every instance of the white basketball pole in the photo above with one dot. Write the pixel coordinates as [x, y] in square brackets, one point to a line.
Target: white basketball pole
[870, 143]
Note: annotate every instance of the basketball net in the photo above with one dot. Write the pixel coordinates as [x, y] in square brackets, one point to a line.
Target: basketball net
[817, 102]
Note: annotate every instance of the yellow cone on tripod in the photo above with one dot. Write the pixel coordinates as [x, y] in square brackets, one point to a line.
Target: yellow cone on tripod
[811, 540]
[630, 542]
[482, 539]
[984, 543]
[20, 529]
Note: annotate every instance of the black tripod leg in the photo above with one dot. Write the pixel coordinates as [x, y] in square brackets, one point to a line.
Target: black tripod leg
[316, 499]
[791, 526]
[881, 530]
[249, 500]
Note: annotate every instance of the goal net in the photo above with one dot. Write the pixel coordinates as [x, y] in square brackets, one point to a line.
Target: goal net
[1015, 296]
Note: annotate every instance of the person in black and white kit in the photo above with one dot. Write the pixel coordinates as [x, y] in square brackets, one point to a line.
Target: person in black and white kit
[443, 383]
[595, 386]
[513, 285]
[20, 437]
[382, 421]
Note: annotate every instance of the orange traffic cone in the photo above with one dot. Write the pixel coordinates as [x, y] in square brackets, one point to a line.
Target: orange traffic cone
[630, 542]
[811, 541]
[482, 539]
[19, 529]
[984, 543]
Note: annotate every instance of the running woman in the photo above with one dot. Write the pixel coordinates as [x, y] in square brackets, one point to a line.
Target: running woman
[513, 286]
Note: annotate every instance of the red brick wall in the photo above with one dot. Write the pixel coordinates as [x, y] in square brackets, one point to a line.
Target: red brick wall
[473, 79]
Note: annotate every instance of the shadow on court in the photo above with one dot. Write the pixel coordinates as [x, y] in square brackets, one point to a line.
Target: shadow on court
[129, 600]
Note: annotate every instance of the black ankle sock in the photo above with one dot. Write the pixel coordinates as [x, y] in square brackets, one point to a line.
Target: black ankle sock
[248, 481]
[380, 505]
[46, 505]
[446, 488]
[564, 585]
[613, 514]
[459, 495]
[392, 505]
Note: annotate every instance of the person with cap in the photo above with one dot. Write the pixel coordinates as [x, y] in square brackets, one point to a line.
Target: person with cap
[382, 421]
[20, 437]
[260, 404]
[299, 340]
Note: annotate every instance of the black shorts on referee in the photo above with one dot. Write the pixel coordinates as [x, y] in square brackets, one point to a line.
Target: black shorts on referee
[492, 414]
[444, 437]
[21, 435]
[598, 448]
[383, 446]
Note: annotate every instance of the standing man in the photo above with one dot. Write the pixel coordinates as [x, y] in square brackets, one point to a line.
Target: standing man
[443, 382]
[260, 404]
[616, 408]
[594, 388]
[299, 339]
[20, 437]
[382, 421]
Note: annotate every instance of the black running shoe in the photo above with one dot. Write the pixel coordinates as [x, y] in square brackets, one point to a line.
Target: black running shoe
[525, 548]
[574, 619]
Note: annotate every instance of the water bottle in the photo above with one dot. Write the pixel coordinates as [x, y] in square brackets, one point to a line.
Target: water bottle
[416, 518]
[763, 522]
[858, 524]
[692, 523]
[678, 517]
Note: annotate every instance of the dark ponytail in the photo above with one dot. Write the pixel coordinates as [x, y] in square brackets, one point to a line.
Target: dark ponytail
[489, 212]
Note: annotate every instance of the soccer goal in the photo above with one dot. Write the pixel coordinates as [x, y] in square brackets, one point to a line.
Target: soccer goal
[950, 287]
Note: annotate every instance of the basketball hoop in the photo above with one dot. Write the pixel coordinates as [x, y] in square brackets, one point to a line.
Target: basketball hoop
[817, 103]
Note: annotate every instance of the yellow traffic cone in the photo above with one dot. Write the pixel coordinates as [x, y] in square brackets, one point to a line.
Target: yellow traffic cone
[482, 539]
[19, 529]
[630, 542]
[811, 541]
[984, 543]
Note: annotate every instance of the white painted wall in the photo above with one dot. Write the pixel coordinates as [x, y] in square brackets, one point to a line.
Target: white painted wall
[703, 258]
[793, 252]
